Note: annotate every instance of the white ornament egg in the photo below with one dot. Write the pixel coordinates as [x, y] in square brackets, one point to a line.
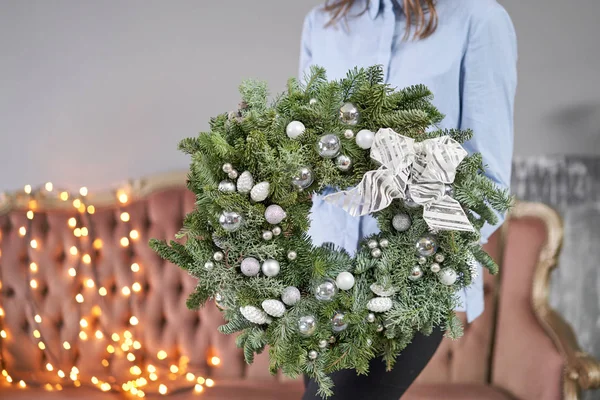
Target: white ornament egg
[364, 139]
[294, 129]
[345, 280]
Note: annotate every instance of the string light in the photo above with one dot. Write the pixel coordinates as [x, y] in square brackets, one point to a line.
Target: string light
[3, 334]
[77, 203]
[29, 214]
[201, 380]
[89, 283]
[130, 357]
[97, 244]
[110, 348]
[34, 244]
[72, 272]
[60, 373]
[72, 222]
[79, 298]
[83, 191]
[94, 380]
[64, 196]
[99, 334]
[77, 232]
[42, 346]
[115, 337]
[125, 216]
[49, 186]
[49, 367]
[215, 361]
[73, 250]
[33, 267]
[102, 291]
[135, 267]
[124, 242]
[210, 382]
[83, 335]
[198, 388]
[37, 319]
[36, 334]
[161, 355]
[83, 323]
[22, 231]
[174, 369]
[133, 320]
[153, 377]
[87, 259]
[27, 189]
[33, 283]
[190, 377]
[135, 370]
[22, 384]
[162, 388]
[91, 209]
[66, 345]
[136, 287]
[84, 231]
[126, 291]
[137, 345]
[134, 234]
[105, 386]
[123, 197]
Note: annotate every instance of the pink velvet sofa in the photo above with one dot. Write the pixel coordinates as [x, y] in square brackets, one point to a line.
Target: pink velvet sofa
[89, 311]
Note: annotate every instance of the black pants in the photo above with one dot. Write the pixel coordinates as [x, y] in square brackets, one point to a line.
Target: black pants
[380, 384]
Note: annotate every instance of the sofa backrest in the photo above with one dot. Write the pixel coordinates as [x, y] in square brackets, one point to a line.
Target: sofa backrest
[123, 281]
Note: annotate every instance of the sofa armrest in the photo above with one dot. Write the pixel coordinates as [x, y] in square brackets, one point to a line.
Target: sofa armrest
[582, 371]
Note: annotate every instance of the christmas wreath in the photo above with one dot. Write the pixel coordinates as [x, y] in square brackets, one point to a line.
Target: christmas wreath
[317, 308]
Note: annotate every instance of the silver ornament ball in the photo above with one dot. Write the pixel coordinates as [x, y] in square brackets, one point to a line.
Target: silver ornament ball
[376, 253]
[274, 214]
[348, 134]
[270, 267]
[323, 343]
[371, 317]
[426, 246]
[226, 187]
[365, 138]
[218, 256]
[312, 354]
[372, 244]
[267, 235]
[276, 231]
[349, 114]
[209, 265]
[439, 257]
[227, 168]
[343, 163]
[292, 255]
[326, 290]
[435, 268]
[250, 266]
[312, 101]
[230, 221]
[338, 322]
[384, 243]
[416, 273]
[290, 295]
[344, 280]
[401, 222]
[233, 174]
[303, 178]
[379, 328]
[331, 339]
[307, 325]
[328, 146]
[447, 276]
[422, 260]
[294, 129]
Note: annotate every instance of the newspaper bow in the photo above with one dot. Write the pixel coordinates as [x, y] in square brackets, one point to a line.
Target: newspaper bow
[423, 168]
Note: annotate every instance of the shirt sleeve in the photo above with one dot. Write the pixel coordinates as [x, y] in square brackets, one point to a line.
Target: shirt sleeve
[305, 45]
[488, 85]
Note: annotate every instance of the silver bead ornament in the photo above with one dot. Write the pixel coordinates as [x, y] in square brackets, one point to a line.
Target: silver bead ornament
[267, 235]
[379, 328]
[338, 322]
[245, 182]
[292, 255]
[376, 253]
[379, 304]
[326, 290]
[426, 246]
[226, 187]
[274, 214]
[422, 260]
[209, 265]
[270, 267]
[348, 134]
[230, 221]
[447, 276]
[323, 343]
[227, 168]
[260, 191]
[416, 273]
[439, 257]
[307, 325]
[344, 280]
[372, 244]
[312, 101]
[313, 354]
[381, 291]
[331, 339]
[343, 163]
[290, 295]
[274, 308]
[384, 243]
[435, 268]
[233, 174]
[303, 178]
[218, 256]
[294, 129]
[370, 317]
[329, 146]
[276, 231]
[250, 266]
[255, 315]
[364, 139]
[349, 114]
[401, 222]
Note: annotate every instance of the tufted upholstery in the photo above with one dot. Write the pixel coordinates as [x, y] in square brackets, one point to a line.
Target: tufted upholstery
[504, 354]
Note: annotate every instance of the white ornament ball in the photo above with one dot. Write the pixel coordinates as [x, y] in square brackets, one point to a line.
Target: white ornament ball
[312, 101]
[401, 222]
[379, 304]
[416, 273]
[348, 134]
[218, 256]
[260, 191]
[384, 243]
[233, 174]
[439, 257]
[345, 280]
[245, 182]
[422, 260]
[274, 308]
[227, 168]
[435, 268]
[323, 343]
[371, 317]
[250, 266]
[312, 354]
[292, 255]
[270, 267]
[209, 265]
[274, 214]
[372, 244]
[290, 295]
[267, 235]
[294, 129]
[255, 315]
[447, 276]
[364, 139]
[376, 252]
[276, 231]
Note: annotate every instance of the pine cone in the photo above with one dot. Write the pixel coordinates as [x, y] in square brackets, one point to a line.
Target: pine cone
[274, 308]
[379, 304]
[255, 315]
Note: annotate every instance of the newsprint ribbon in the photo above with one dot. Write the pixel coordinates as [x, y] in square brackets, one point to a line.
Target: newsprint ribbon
[418, 170]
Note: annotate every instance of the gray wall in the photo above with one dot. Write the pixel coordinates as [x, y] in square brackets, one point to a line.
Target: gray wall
[86, 82]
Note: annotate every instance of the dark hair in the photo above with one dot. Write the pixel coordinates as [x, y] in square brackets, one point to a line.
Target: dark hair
[419, 13]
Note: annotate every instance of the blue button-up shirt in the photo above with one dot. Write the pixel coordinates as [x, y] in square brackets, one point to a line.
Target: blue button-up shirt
[469, 63]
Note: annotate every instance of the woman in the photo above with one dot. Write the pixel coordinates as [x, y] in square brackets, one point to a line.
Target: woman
[465, 52]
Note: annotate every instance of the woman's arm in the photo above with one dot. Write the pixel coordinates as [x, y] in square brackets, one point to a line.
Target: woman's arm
[488, 85]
